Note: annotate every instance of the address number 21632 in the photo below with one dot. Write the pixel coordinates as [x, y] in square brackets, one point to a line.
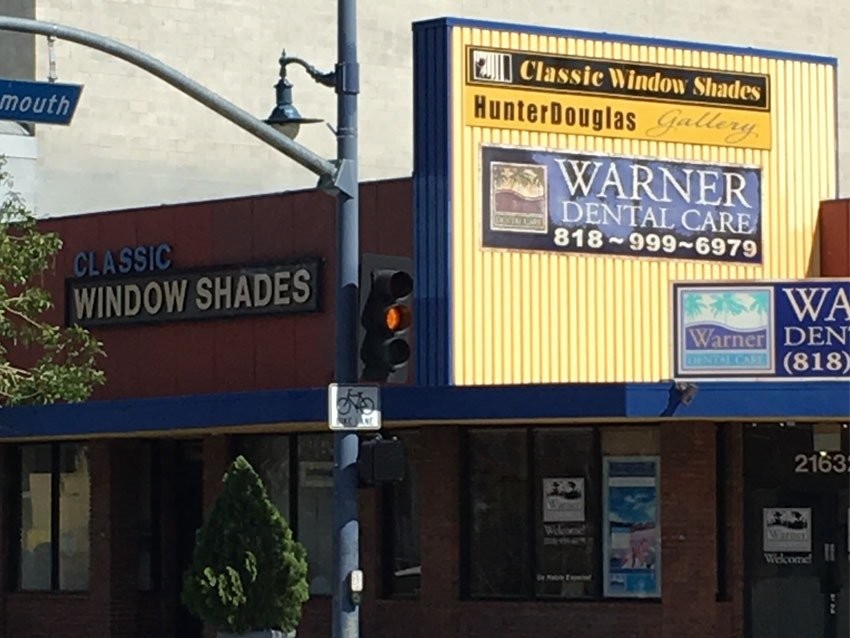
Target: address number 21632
[821, 463]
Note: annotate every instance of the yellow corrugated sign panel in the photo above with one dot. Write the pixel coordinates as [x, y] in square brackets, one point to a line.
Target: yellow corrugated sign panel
[587, 175]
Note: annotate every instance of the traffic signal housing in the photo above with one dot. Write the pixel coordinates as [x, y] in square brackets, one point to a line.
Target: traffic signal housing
[380, 461]
[386, 317]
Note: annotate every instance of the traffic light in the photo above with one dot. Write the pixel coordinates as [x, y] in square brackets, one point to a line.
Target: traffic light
[380, 461]
[386, 315]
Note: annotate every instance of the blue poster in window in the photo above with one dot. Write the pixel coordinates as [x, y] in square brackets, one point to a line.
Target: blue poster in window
[632, 535]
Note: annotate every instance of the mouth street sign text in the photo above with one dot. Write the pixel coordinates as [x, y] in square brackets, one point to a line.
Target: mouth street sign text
[39, 102]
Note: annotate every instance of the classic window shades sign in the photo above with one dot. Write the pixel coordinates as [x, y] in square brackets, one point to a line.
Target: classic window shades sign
[209, 293]
[618, 205]
[590, 96]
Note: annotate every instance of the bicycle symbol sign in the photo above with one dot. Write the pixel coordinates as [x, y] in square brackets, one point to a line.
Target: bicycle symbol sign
[354, 407]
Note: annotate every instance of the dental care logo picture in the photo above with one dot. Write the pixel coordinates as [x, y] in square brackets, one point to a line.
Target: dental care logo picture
[787, 529]
[518, 198]
[726, 330]
[563, 500]
[597, 204]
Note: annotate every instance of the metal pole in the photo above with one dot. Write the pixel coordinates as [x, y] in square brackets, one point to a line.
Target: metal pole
[346, 527]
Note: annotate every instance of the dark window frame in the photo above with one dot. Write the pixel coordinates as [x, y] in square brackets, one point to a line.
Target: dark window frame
[155, 531]
[388, 506]
[465, 521]
[721, 492]
[16, 520]
[293, 447]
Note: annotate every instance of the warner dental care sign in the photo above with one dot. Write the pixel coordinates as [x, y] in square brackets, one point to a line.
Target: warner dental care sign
[779, 329]
[581, 202]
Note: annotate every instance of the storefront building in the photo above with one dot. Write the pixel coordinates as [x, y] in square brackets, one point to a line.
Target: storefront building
[628, 412]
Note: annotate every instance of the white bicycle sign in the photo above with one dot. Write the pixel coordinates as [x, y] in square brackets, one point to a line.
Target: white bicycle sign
[354, 407]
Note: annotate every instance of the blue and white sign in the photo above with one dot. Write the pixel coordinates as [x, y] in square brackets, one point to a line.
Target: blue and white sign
[579, 202]
[39, 102]
[778, 329]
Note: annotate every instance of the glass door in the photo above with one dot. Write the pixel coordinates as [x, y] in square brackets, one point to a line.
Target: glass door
[796, 533]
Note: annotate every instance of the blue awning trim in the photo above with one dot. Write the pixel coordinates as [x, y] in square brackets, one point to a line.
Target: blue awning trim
[617, 402]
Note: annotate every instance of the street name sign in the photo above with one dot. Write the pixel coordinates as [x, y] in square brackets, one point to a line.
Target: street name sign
[354, 407]
[38, 102]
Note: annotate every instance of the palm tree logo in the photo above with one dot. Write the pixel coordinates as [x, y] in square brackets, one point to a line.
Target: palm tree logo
[526, 180]
[760, 303]
[727, 303]
[518, 197]
[692, 304]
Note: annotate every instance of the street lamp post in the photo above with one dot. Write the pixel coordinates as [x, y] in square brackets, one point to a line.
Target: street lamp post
[346, 80]
[339, 177]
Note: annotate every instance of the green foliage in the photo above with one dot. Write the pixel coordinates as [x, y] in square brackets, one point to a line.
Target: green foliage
[247, 572]
[62, 361]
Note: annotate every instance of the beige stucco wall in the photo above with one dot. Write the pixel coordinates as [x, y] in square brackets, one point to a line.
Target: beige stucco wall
[137, 141]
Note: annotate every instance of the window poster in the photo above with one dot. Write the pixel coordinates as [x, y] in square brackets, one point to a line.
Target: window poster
[563, 500]
[565, 551]
[632, 547]
[787, 535]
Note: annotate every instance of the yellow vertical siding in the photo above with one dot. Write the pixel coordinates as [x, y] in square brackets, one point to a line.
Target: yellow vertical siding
[541, 317]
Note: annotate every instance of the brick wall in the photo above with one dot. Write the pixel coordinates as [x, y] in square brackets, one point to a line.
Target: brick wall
[834, 235]
[688, 520]
[688, 607]
[113, 608]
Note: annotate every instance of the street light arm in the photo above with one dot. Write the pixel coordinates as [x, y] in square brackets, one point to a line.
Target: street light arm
[325, 79]
[327, 171]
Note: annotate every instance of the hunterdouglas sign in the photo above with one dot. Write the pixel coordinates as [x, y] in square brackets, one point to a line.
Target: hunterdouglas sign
[202, 294]
[567, 94]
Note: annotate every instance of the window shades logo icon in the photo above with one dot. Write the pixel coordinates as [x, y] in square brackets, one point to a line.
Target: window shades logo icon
[490, 66]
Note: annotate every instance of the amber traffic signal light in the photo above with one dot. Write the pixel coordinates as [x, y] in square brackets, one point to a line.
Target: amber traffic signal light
[386, 290]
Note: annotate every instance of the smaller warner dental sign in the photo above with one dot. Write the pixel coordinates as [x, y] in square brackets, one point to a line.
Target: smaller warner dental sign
[774, 329]
[530, 91]
[590, 203]
[211, 293]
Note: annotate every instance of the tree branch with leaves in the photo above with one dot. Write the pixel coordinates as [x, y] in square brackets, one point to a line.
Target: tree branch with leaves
[39, 362]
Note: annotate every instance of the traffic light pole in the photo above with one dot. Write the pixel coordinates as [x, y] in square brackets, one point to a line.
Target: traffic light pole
[339, 177]
[346, 527]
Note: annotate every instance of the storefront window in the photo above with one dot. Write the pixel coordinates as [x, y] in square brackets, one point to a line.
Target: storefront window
[403, 560]
[269, 456]
[498, 545]
[55, 502]
[315, 508]
[566, 513]
[36, 520]
[74, 504]
[148, 515]
[309, 509]
[563, 513]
